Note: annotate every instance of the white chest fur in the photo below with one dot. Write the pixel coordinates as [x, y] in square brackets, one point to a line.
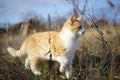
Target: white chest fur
[69, 41]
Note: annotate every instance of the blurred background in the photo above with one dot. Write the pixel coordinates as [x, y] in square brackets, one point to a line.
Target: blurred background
[98, 54]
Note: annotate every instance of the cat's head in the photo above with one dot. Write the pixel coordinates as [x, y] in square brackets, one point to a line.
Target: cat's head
[74, 25]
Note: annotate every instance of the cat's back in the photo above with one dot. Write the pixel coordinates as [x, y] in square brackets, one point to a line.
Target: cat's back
[44, 42]
[41, 36]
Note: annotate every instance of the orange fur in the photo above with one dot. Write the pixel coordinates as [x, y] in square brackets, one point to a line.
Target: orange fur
[40, 41]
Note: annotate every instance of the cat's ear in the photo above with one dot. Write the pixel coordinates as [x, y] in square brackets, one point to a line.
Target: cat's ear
[80, 18]
[72, 18]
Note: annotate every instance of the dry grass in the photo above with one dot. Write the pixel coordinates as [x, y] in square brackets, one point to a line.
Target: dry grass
[92, 39]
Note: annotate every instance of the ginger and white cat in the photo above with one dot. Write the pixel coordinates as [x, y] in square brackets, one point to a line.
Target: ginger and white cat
[62, 45]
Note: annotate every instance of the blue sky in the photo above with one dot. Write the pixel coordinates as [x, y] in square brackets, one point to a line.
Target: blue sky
[14, 11]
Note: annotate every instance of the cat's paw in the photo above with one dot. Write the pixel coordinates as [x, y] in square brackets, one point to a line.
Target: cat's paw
[37, 73]
[61, 69]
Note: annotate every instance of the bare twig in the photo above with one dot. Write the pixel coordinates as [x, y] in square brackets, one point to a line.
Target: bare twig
[49, 26]
[110, 3]
[75, 4]
[101, 35]
[106, 54]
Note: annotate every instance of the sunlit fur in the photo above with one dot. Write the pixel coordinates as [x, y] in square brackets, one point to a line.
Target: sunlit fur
[62, 45]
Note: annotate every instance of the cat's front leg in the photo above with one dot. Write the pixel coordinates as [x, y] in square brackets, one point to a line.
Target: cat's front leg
[62, 67]
[68, 71]
[67, 68]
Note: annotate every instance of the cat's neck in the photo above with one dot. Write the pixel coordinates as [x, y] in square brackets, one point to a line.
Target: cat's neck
[67, 34]
[68, 38]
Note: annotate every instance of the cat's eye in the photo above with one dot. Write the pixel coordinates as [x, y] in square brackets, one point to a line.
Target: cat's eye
[80, 27]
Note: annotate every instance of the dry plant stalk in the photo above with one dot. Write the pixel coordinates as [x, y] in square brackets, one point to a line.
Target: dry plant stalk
[107, 51]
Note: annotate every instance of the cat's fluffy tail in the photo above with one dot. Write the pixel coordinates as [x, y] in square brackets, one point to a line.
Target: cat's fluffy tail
[16, 53]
